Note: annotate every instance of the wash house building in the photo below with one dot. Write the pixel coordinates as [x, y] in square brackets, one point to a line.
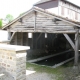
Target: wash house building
[47, 32]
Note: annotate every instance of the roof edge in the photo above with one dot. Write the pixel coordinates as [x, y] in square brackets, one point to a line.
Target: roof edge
[46, 12]
[8, 24]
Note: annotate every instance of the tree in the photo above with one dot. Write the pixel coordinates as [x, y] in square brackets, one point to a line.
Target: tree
[9, 17]
[0, 23]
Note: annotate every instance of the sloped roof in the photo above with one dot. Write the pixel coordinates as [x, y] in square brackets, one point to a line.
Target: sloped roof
[43, 1]
[45, 12]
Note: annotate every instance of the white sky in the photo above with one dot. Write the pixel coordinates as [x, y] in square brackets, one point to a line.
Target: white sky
[16, 7]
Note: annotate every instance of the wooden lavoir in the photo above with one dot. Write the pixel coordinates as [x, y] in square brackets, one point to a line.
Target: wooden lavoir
[39, 22]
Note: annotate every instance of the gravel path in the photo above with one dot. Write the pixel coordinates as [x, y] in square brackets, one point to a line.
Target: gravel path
[39, 76]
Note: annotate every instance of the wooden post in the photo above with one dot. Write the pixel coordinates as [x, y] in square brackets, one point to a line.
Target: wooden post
[38, 39]
[9, 35]
[76, 47]
[69, 40]
[32, 41]
[12, 36]
[34, 20]
[21, 38]
[16, 39]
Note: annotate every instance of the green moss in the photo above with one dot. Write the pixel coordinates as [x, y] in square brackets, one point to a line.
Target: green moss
[40, 68]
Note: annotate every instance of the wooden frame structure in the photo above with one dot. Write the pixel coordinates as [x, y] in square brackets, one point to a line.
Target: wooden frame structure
[39, 20]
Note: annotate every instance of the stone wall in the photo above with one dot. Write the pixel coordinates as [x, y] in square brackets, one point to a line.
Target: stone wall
[13, 59]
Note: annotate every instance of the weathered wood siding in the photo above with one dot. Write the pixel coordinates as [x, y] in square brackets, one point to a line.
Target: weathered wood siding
[38, 40]
[25, 39]
[20, 39]
[39, 45]
[27, 22]
[40, 22]
[46, 22]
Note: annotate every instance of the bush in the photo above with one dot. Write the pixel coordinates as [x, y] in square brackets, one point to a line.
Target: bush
[0, 23]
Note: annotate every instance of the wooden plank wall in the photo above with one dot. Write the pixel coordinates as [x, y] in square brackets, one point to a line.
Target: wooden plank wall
[27, 23]
[20, 39]
[25, 39]
[43, 23]
[39, 45]
[38, 40]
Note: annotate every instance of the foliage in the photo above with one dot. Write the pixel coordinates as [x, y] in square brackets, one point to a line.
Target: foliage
[0, 23]
[9, 17]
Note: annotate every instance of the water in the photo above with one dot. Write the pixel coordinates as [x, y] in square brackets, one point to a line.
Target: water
[53, 60]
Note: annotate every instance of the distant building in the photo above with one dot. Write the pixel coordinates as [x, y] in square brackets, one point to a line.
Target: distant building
[63, 8]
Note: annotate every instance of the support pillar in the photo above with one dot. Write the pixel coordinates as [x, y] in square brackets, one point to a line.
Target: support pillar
[70, 41]
[9, 35]
[76, 47]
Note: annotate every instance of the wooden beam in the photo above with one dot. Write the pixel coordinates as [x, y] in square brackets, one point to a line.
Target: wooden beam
[9, 35]
[16, 39]
[34, 20]
[21, 38]
[38, 39]
[32, 41]
[69, 40]
[61, 63]
[26, 39]
[39, 36]
[76, 47]
[12, 36]
[44, 31]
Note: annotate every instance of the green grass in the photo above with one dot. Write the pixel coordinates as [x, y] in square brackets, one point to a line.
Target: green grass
[58, 72]
[40, 68]
[47, 69]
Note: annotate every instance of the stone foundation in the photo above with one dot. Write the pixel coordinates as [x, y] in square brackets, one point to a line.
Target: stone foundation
[13, 60]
